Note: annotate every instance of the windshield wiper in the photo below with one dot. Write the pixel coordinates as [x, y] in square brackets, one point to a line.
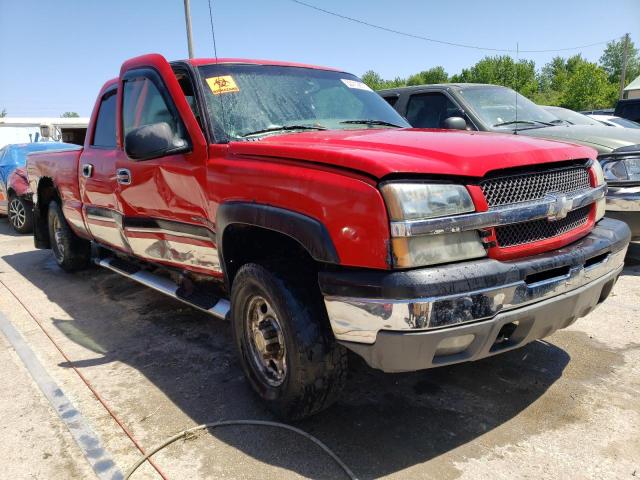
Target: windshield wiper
[284, 128]
[527, 122]
[372, 122]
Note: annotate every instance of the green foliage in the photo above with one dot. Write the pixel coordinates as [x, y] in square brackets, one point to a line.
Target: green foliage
[611, 61]
[502, 70]
[69, 115]
[433, 75]
[3, 113]
[587, 88]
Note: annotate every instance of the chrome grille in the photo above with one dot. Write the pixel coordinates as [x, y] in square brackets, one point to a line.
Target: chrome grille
[535, 230]
[531, 186]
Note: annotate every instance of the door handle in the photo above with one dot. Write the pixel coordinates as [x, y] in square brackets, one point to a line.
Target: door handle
[87, 170]
[123, 176]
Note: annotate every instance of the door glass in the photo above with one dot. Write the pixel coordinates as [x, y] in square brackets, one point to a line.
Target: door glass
[143, 104]
[105, 131]
[430, 110]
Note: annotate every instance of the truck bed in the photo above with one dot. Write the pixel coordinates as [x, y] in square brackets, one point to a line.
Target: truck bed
[61, 166]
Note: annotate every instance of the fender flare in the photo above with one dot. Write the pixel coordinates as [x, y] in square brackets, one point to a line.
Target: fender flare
[307, 231]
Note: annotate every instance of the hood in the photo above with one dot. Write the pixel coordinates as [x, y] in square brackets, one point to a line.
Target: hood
[602, 138]
[381, 152]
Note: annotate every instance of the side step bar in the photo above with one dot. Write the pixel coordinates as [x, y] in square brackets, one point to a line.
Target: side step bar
[218, 307]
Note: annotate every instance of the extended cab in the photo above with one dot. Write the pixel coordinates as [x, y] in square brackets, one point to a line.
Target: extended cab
[297, 203]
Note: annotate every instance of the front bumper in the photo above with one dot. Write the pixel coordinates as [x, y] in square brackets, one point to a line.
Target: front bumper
[410, 320]
[623, 203]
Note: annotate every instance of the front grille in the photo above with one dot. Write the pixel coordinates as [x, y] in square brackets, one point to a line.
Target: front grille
[535, 230]
[530, 186]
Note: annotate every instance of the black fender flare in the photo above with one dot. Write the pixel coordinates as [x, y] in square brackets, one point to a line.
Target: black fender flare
[307, 231]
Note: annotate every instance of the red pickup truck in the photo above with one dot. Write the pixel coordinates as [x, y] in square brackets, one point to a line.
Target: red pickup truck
[295, 202]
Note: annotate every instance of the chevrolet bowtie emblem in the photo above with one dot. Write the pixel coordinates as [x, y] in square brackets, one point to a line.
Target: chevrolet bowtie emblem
[559, 208]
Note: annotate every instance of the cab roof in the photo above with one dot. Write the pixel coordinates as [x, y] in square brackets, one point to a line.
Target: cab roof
[196, 62]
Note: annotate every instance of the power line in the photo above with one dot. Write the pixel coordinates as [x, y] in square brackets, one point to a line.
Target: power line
[442, 42]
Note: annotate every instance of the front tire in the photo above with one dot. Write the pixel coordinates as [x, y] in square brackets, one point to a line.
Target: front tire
[285, 344]
[70, 251]
[20, 214]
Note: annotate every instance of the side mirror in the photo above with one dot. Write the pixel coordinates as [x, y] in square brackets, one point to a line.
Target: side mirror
[454, 123]
[152, 141]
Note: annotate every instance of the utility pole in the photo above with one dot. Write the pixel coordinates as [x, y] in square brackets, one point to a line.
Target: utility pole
[187, 19]
[623, 73]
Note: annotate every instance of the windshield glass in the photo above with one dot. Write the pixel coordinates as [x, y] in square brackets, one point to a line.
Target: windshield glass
[574, 118]
[496, 107]
[625, 122]
[246, 100]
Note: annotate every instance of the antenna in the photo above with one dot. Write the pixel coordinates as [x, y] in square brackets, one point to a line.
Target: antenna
[213, 32]
[215, 53]
[517, 60]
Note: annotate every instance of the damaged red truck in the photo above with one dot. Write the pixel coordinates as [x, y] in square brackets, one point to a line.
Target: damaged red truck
[293, 201]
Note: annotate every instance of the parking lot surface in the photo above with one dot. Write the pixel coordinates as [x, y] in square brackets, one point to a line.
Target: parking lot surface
[566, 407]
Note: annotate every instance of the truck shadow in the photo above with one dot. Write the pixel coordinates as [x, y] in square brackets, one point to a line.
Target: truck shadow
[382, 424]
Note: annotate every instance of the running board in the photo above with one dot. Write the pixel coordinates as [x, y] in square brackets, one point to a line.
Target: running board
[218, 307]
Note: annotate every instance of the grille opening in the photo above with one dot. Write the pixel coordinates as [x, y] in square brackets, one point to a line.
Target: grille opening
[546, 275]
[536, 230]
[596, 260]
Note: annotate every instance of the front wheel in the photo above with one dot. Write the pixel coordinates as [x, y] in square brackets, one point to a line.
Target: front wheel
[20, 213]
[70, 251]
[286, 346]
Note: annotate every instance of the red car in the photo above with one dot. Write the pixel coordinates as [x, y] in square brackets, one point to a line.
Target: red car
[295, 202]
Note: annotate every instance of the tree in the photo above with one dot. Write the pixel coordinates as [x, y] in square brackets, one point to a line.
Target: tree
[587, 88]
[3, 113]
[432, 75]
[611, 61]
[69, 115]
[372, 79]
[502, 70]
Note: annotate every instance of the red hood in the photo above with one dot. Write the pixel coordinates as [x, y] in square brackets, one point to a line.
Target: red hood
[380, 152]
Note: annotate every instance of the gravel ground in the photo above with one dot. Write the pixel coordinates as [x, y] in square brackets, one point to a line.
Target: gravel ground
[566, 407]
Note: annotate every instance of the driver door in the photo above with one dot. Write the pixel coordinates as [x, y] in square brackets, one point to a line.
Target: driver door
[163, 198]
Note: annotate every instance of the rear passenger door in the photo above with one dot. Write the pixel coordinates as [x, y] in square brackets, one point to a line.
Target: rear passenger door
[96, 173]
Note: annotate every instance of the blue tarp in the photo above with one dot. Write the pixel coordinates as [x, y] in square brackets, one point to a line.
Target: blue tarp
[13, 156]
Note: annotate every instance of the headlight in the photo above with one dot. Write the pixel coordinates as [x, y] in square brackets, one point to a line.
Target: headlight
[408, 202]
[417, 201]
[621, 170]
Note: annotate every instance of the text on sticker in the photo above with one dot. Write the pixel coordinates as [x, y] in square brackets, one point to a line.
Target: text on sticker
[223, 84]
[355, 84]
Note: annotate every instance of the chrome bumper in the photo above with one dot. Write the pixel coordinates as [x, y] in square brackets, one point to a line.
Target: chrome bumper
[620, 199]
[359, 319]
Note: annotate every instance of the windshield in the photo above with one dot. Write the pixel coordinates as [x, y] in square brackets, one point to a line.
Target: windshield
[248, 100]
[624, 122]
[496, 107]
[574, 118]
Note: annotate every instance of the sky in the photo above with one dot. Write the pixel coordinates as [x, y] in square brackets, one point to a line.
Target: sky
[55, 56]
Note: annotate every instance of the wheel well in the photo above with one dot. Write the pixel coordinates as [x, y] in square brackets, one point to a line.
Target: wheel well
[46, 192]
[243, 244]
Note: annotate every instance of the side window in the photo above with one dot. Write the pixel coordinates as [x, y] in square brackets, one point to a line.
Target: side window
[105, 132]
[143, 104]
[429, 110]
[392, 100]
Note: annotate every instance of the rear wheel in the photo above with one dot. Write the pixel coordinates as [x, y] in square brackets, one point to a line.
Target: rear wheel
[20, 213]
[286, 346]
[70, 251]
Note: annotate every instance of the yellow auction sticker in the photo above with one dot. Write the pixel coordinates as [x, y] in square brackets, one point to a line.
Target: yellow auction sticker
[223, 84]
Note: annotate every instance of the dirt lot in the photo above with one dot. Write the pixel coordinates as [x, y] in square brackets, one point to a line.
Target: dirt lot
[567, 407]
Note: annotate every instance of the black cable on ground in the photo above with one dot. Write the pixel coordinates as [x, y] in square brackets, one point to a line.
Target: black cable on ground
[263, 423]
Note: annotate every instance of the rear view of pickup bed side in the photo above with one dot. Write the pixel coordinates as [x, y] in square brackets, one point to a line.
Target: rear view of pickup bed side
[295, 202]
